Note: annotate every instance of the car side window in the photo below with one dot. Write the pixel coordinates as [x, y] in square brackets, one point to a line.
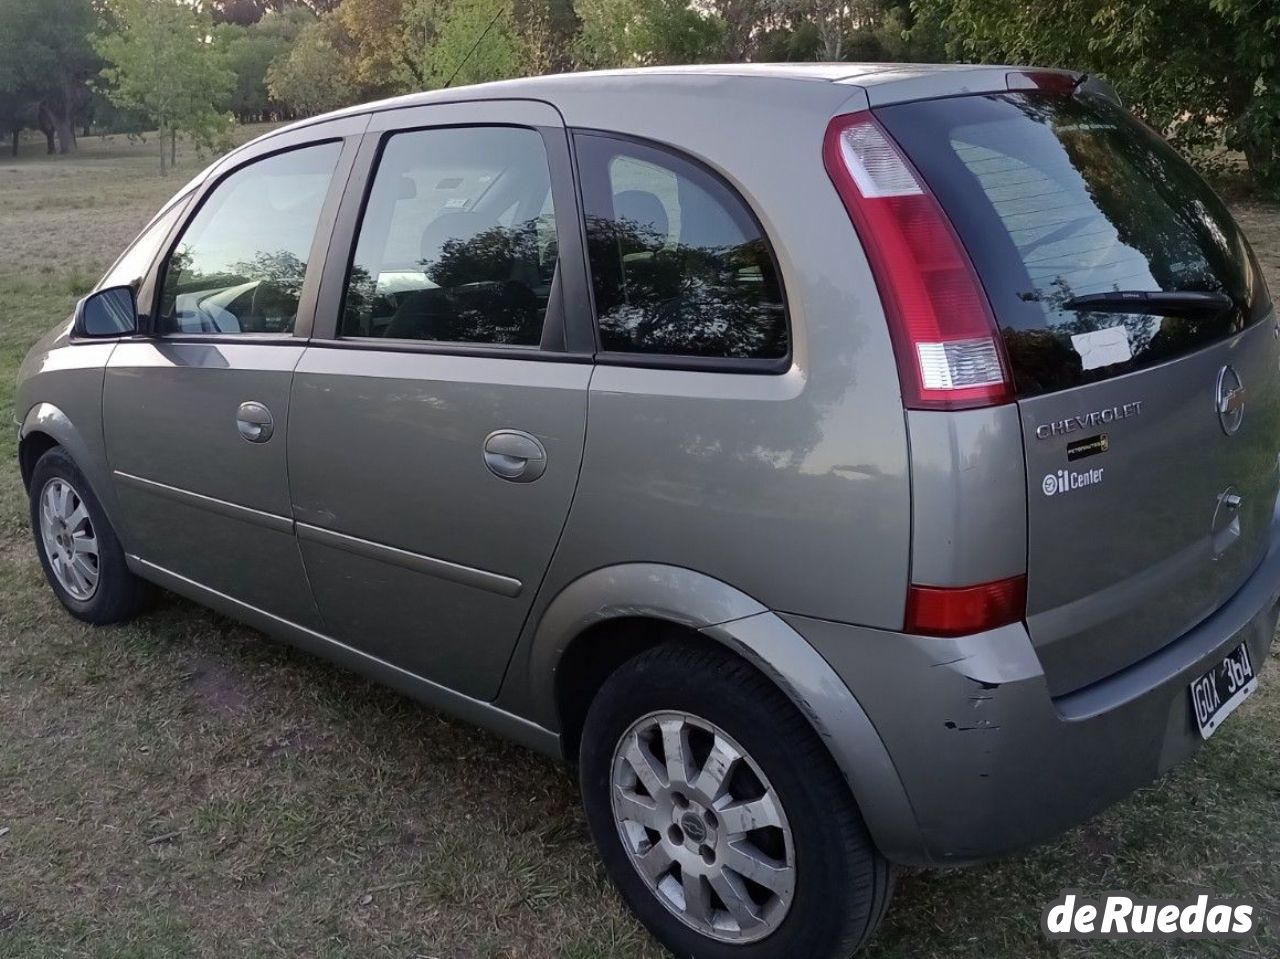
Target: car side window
[458, 240]
[242, 259]
[679, 265]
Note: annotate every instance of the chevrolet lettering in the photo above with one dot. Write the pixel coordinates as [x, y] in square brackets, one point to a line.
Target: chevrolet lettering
[1074, 424]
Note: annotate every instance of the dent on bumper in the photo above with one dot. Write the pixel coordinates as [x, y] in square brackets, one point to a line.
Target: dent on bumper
[992, 763]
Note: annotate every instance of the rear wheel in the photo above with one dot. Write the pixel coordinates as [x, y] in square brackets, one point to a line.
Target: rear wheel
[720, 816]
[78, 548]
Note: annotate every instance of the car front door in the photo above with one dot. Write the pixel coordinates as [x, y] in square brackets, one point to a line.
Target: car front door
[439, 411]
[195, 411]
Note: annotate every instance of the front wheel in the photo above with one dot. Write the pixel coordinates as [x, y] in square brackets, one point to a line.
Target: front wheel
[721, 817]
[82, 558]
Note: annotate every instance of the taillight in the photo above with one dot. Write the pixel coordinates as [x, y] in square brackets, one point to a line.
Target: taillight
[958, 611]
[945, 337]
[1046, 81]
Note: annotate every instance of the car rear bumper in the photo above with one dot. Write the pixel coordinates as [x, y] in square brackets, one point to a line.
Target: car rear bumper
[989, 761]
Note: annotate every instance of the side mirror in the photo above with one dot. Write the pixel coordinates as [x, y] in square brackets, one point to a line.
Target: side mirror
[109, 312]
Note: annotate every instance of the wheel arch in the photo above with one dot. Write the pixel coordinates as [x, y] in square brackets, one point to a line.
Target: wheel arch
[30, 448]
[46, 426]
[607, 616]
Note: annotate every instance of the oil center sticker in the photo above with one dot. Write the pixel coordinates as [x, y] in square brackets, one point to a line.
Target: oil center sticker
[1068, 481]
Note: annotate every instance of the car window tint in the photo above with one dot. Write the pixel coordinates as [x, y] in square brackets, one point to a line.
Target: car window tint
[1058, 197]
[137, 259]
[458, 241]
[241, 262]
[679, 266]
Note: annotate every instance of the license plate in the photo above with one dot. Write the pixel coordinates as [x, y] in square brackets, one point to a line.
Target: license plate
[1217, 694]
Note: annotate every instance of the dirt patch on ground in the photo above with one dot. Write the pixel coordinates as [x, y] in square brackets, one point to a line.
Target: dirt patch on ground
[218, 687]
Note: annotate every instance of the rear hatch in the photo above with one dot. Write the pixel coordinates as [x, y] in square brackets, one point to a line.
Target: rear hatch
[1149, 420]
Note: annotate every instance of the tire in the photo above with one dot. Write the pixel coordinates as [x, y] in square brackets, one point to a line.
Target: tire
[116, 594]
[839, 886]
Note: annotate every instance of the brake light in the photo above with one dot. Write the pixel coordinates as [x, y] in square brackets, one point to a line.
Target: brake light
[958, 611]
[945, 337]
[1046, 81]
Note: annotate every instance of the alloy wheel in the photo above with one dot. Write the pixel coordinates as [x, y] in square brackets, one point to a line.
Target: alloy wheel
[70, 542]
[703, 826]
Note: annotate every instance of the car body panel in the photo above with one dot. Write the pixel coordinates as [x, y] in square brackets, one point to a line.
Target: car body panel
[60, 396]
[968, 517]
[232, 530]
[991, 760]
[387, 447]
[1120, 567]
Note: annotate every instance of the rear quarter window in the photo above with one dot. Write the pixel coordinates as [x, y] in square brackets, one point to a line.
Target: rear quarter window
[1057, 197]
[679, 265]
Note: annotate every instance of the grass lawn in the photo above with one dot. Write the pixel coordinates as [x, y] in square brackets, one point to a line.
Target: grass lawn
[180, 786]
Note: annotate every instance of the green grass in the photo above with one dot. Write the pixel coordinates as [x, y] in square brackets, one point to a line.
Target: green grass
[179, 786]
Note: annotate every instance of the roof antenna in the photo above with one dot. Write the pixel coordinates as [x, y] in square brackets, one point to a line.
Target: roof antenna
[483, 33]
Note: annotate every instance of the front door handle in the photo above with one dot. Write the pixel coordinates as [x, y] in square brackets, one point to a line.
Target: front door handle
[514, 455]
[254, 422]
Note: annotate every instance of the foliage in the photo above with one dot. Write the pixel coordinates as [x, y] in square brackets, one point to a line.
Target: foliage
[310, 78]
[619, 33]
[249, 50]
[45, 60]
[1204, 72]
[472, 41]
[163, 64]
[385, 39]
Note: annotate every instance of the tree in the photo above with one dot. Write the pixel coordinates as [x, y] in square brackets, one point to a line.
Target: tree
[249, 51]
[163, 63]
[474, 41]
[46, 59]
[310, 77]
[621, 33]
[386, 39]
[1204, 72]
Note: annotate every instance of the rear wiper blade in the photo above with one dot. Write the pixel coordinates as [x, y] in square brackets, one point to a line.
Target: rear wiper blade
[1155, 303]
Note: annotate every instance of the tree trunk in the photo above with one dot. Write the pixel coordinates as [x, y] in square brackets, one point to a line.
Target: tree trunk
[49, 141]
[1263, 159]
[163, 152]
[66, 133]
[173, 148]
[16, 132]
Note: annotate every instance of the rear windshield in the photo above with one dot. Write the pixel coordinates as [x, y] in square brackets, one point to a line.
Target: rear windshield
[1057, 197]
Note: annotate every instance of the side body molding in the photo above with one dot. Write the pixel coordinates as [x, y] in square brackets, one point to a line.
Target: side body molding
[743, 625]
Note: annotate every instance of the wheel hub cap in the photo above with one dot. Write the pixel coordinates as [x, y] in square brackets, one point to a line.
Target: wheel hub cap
[69, 540]
[703, 827]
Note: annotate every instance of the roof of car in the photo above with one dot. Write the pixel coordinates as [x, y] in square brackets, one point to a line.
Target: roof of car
[883, 83]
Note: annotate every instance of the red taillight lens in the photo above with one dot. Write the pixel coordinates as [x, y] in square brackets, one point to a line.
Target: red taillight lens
[1047, 81]
[944, 334]
[958, 611]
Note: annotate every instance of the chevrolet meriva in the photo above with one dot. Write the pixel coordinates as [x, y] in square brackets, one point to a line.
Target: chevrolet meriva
[841, 466]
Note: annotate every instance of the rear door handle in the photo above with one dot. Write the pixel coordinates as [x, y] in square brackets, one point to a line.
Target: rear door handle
[514, 455]
[255, 423]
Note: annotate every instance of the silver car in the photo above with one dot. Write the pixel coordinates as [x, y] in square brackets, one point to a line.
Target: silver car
[841, 466]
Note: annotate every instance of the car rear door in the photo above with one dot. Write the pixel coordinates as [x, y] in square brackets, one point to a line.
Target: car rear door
[439, 413]
[1144, 351]
[195, 412]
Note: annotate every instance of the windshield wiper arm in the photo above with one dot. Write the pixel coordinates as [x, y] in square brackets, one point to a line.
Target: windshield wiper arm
[1153, 302]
